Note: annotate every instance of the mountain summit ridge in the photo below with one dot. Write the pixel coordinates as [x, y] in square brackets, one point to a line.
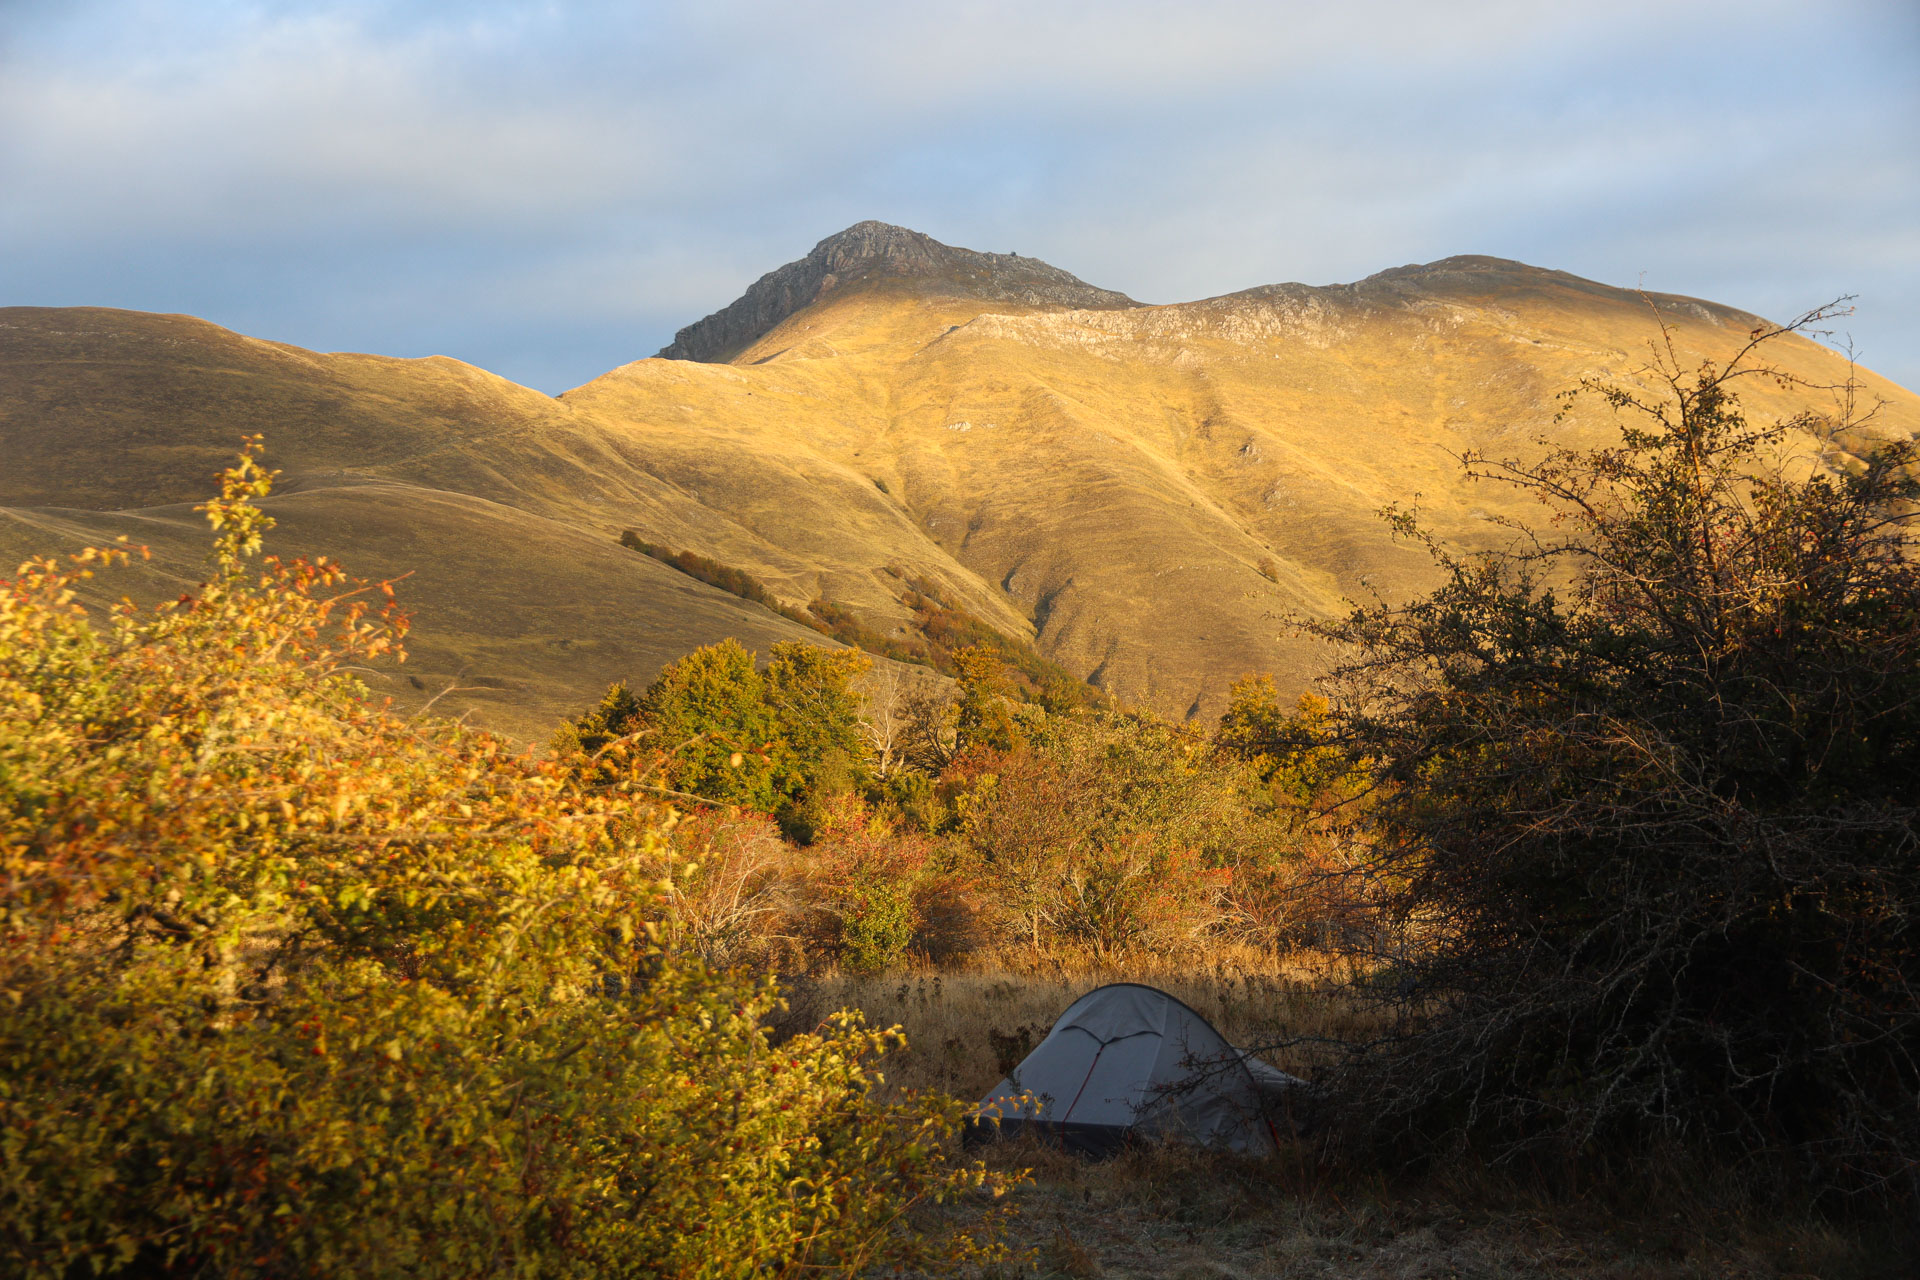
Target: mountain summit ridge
[877, 251]
[880, 254]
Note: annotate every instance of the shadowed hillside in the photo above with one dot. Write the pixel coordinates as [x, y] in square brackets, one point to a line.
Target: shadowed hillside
[1142, 492]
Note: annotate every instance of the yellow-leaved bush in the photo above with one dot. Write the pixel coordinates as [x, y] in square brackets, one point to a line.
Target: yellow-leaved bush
[292, 986]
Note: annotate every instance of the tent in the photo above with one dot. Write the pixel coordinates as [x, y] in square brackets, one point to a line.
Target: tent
[1128, 1061]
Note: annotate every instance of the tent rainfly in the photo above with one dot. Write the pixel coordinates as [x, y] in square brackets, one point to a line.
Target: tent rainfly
[1128, 1061]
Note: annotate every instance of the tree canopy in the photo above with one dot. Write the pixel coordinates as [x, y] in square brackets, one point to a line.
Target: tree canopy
[723, 730]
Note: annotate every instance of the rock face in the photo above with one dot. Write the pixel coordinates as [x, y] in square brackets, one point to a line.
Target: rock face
[870, 251]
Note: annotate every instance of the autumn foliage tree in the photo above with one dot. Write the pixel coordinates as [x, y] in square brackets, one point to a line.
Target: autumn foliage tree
[1316, 792]
[1650, 784]
[1291, 751]
[983, 712]
[291, 986]
[719, 728]
[1108, 831]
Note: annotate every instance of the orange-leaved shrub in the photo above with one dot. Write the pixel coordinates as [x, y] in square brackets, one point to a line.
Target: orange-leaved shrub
[291, 986]
[1110, 832]
[877, 893]
[863, 897]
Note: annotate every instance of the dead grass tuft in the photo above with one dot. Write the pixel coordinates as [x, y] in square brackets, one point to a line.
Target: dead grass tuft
[1066, 1256]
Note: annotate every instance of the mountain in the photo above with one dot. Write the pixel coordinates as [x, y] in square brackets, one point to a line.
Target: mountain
[1144, 493]
[875, 254]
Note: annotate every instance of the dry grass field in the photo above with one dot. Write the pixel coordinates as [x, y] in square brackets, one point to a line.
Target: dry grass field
[1170, 1213]
[962, 1025]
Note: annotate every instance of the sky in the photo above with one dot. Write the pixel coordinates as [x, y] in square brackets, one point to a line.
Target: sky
[549, 190]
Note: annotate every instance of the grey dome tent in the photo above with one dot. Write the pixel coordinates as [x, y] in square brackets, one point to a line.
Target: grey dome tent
[1128, 1061]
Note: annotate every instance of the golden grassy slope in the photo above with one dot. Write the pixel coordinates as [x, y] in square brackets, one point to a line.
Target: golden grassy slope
[1118, 477]
[1144, 491]
[467, 483]
[518, 620]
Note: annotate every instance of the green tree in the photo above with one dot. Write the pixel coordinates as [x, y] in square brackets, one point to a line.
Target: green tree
[725, 731]
[817, 714]
[615, 716]
[709, 713]
[1648, 783]
[983, 717]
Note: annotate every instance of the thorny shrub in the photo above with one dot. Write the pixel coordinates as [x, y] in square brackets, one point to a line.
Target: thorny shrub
[732, 888]
[292, 987]
[1648, 784]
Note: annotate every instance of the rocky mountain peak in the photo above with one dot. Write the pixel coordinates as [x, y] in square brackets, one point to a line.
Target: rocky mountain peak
[883, 246]
[874, 252]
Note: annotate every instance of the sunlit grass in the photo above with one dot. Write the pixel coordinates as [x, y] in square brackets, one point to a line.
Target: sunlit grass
[964, 1024]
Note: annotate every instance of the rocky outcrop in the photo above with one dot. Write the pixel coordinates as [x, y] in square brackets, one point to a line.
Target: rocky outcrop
[877, 251]
[1493, 292]
[1506, 284]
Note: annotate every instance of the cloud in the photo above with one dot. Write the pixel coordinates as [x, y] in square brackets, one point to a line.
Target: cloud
[480, 177]
[294, 124]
